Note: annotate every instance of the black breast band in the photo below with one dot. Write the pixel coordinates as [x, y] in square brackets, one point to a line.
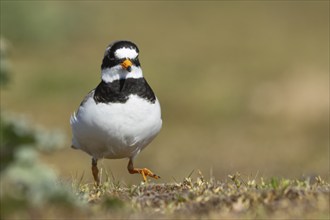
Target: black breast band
[118, 91]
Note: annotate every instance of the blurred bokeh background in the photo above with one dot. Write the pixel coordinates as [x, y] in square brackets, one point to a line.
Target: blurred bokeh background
[243, 85]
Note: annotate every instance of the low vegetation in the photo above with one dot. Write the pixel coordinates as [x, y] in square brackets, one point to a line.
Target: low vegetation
[194, 197]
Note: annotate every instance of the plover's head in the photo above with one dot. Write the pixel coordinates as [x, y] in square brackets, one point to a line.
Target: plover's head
[121, 60]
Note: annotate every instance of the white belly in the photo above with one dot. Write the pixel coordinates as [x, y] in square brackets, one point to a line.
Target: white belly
[115, 130]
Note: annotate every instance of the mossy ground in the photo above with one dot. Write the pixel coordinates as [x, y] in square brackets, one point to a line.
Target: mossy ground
[235, 197]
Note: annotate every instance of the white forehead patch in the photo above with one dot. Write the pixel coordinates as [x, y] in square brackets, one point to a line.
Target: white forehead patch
[126, 53]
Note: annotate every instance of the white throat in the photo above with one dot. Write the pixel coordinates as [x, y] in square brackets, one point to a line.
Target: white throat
[109, 75]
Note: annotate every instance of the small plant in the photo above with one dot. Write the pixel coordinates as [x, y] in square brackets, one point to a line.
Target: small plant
[25, 181]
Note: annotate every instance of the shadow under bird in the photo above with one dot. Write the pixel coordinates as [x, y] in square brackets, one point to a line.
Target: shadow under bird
[122, 115]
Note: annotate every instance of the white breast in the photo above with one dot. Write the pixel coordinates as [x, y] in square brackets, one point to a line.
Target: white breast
[115, 130]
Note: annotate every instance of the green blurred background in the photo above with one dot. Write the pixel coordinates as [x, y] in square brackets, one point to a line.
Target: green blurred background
[244, 85]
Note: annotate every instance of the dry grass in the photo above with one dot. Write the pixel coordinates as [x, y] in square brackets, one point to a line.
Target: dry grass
[235, 197]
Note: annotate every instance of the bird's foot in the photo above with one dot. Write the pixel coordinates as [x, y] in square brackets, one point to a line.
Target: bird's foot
[144, 172]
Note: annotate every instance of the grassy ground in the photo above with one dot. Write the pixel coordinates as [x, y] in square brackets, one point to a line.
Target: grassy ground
[195, 197]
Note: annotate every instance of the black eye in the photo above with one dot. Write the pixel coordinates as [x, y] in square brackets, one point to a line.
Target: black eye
[111, 55]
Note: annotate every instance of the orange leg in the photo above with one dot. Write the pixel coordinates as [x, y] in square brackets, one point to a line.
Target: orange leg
[95, 172]
[143, 171]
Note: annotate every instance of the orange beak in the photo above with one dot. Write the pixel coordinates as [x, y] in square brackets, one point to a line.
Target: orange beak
[127, 65]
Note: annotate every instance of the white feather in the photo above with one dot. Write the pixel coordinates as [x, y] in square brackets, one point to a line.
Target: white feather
[126, 53]
[115, 130]
[117, 72]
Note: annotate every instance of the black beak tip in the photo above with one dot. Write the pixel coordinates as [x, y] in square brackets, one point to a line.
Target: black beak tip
[129, 69]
